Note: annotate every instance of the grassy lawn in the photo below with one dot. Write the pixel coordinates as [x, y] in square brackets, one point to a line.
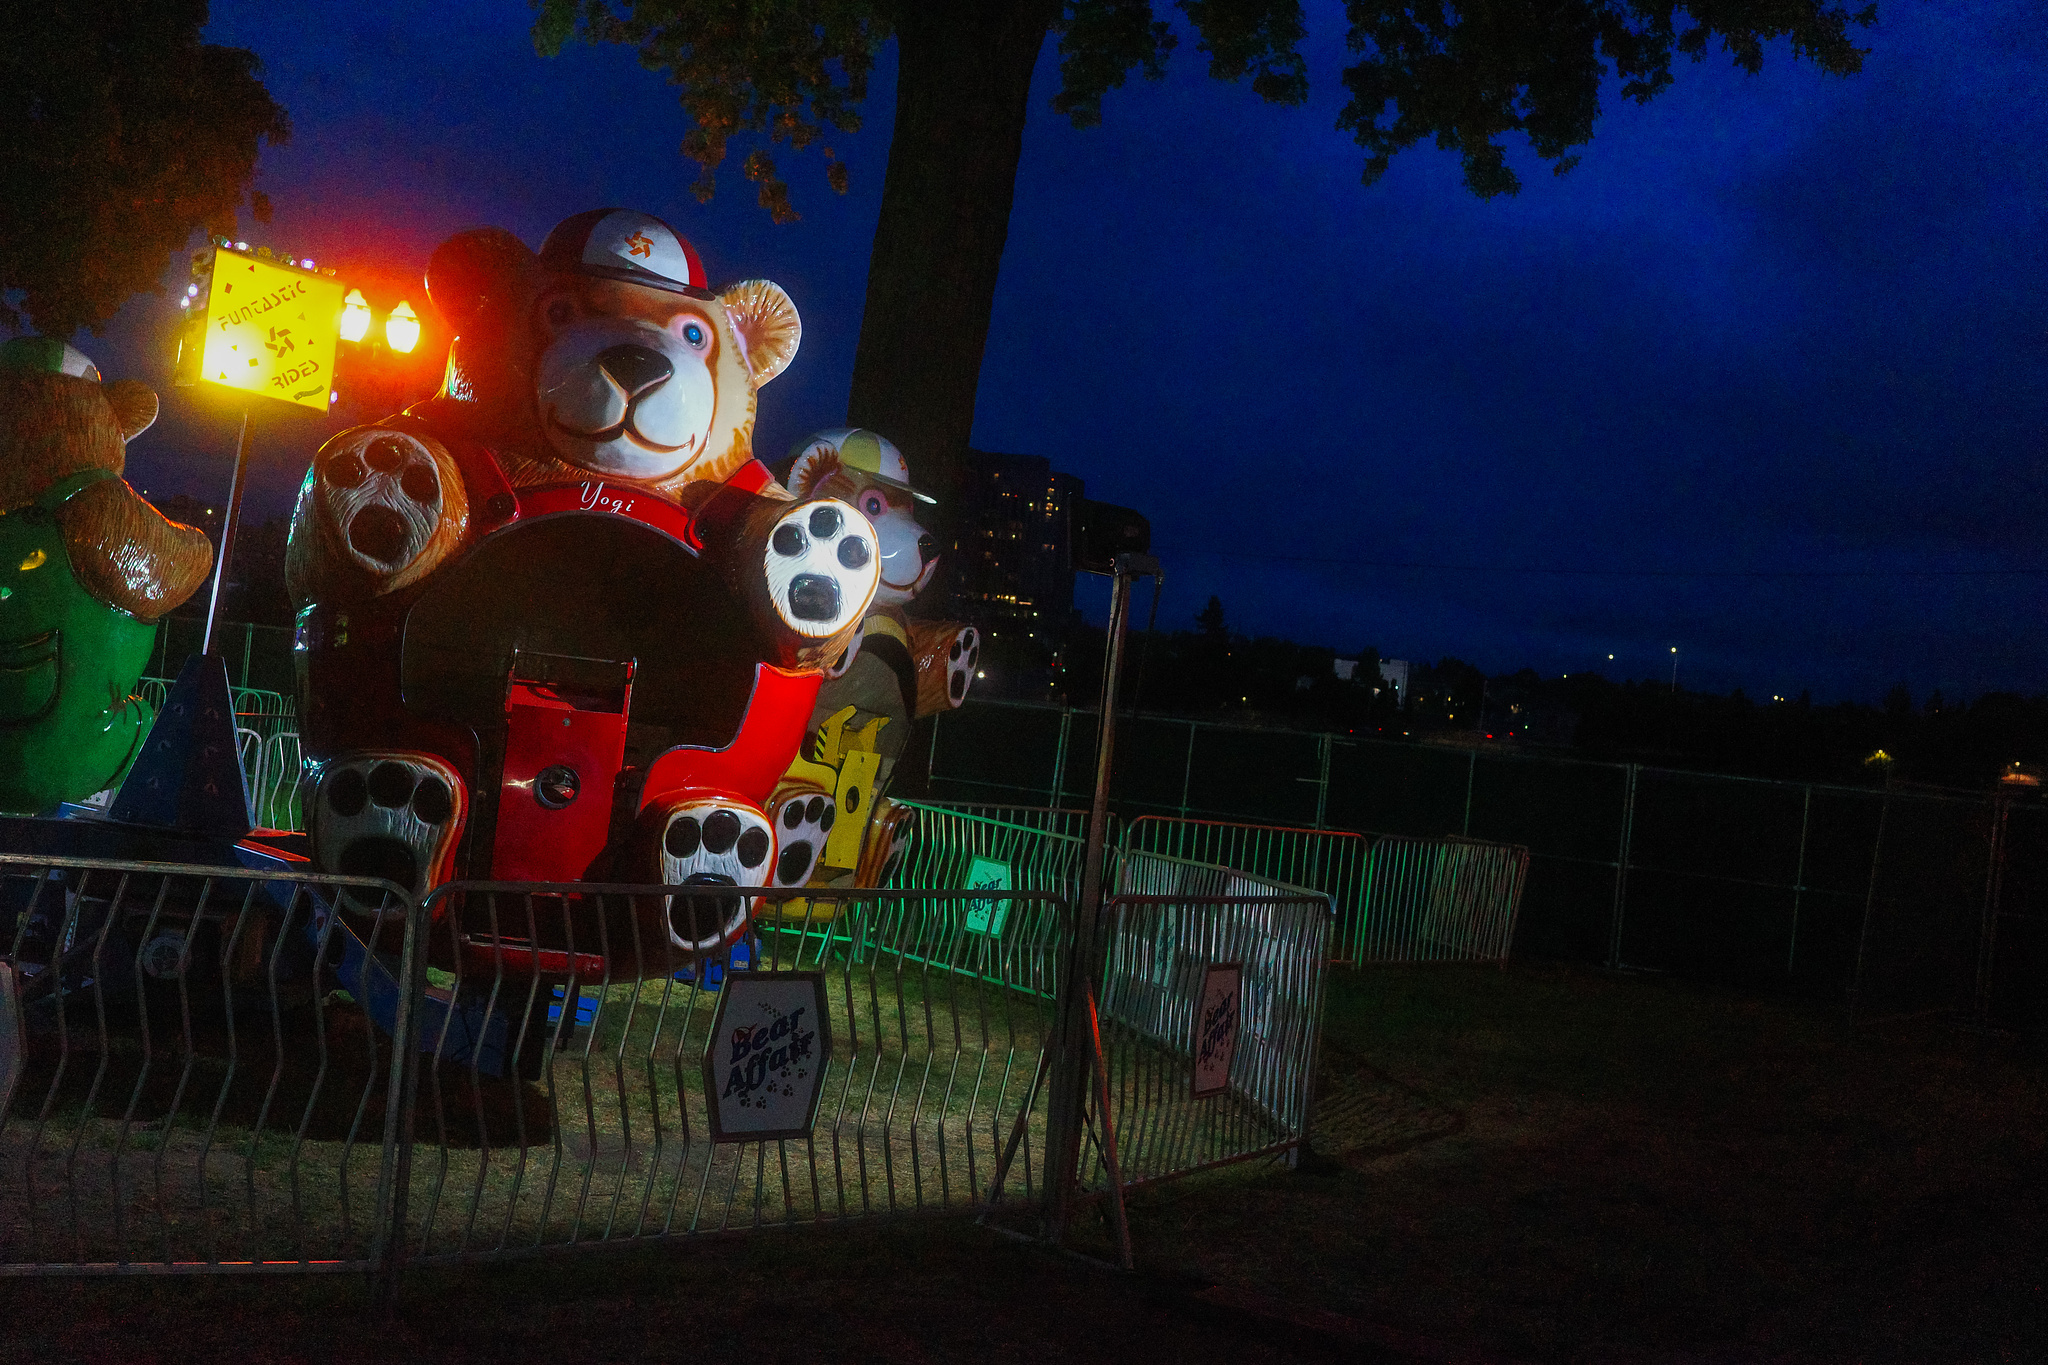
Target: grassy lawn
[1538, 1164]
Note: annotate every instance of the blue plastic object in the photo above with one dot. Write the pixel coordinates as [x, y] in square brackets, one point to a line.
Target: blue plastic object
[738, 958]
[586, 1008]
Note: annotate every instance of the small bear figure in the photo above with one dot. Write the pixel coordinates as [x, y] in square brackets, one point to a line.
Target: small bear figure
[556, 622]
[86, 569]
[832, 814]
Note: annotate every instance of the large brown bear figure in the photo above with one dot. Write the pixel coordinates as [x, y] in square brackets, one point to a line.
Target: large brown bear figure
[556, 623]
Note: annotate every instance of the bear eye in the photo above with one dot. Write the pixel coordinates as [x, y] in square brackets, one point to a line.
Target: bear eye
[872, 504]
[694, 334]
[34, 560]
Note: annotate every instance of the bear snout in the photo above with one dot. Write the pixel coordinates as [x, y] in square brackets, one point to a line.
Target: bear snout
[626, 400]
[635, 368]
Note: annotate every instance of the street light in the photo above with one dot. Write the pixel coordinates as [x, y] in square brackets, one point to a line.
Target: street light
[1674, 668]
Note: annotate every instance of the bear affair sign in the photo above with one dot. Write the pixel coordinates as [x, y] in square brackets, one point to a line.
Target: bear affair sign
[764, 1064]
[271, 329]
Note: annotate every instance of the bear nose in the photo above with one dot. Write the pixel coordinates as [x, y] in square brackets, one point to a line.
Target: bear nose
[927, 548]
[635, 369]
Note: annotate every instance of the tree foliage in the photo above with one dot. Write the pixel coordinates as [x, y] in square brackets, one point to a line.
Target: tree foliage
[1465, 76]
[120, 134]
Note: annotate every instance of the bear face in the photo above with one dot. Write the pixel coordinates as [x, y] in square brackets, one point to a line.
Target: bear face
[868, 471]
[605, 354]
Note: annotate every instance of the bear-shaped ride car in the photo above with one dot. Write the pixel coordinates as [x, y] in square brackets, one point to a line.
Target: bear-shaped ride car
[86, 568]
[831, 809]
[556, 624]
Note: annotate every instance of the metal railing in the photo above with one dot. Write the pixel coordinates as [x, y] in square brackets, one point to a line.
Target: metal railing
[540, 1126]
[180, 1087]
[1396, 899]
[1178, 1102]
[208, 1069]
[1435, 900]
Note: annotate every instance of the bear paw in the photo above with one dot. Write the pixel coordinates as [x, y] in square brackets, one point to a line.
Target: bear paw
[803, 820]
[947, 654]
[391, 504]
[712, 842]
[389, 815]
[822, 568]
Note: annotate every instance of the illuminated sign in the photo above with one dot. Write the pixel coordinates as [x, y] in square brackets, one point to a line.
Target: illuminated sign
[271, 329]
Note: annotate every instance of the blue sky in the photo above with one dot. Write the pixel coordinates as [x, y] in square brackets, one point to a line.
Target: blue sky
[1770, 324]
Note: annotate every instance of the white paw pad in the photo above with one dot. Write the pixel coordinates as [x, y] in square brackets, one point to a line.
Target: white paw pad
[822, 567]
[393, 816]
[713, 843]
[803, 821]
[383, 495]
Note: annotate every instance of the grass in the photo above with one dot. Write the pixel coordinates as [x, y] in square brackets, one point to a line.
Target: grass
[1538, 1164]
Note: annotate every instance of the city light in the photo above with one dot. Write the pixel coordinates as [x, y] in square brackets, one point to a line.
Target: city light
[402, 328]
[355, 316]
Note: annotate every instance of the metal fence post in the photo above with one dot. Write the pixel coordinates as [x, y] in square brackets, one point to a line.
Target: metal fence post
[1869, 900]
[395, 1171]
[1628, 827]
[1799, 880]
[1187, 775]
[1323, 781]
[1471, 768]
[1987, 937]
[1059, 759]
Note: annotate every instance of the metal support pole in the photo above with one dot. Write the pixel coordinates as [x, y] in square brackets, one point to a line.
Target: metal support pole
[1187, 772]
[1073, 1061]
[227, 534]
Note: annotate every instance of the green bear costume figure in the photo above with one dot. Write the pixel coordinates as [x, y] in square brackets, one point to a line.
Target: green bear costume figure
[86, 568]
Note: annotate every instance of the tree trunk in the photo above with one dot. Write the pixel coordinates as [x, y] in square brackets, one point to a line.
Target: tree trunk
[963, 89]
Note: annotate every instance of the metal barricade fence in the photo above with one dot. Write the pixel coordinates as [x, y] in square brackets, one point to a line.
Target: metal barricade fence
[212, 1069]
[182, 1085]
[1436, 900]
[618, 1104]
[1068, 821]
[1210, 1014]
[967, 848]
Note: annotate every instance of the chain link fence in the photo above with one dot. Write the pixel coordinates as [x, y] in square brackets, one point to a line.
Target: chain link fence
[1886, 901]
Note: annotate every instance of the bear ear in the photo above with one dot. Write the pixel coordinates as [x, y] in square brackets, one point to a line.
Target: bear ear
[476, 272]
[818, 463]
[768, 327]
[134, 404]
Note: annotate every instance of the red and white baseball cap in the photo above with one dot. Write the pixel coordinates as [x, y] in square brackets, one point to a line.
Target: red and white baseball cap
[623, 244]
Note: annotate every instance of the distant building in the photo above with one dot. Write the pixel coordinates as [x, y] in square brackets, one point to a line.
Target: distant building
[1345, 669]
[1012, 567]
[1394, 672]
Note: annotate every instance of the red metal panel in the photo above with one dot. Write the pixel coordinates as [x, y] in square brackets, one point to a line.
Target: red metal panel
[539, 837]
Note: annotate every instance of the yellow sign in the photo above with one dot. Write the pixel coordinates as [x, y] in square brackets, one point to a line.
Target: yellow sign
[271, 329]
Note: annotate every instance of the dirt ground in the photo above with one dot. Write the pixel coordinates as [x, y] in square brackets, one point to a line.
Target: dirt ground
[1542, 1164]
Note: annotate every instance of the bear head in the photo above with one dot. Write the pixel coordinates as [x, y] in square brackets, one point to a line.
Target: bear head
[867, 470]
[60, 424]
[606, 355]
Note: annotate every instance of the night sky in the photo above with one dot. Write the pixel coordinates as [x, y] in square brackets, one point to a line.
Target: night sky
[1755, 380]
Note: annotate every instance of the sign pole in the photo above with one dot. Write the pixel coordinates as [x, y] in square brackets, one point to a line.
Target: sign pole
[227, 533]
